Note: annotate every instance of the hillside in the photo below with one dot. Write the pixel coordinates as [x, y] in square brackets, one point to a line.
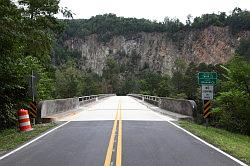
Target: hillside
[211, 39]
[211, 45]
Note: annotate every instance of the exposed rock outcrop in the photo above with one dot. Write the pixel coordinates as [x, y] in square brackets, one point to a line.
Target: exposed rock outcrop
[211, 45]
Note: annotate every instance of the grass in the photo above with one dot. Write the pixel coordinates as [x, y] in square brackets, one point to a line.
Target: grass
[12, 138]
[235, 144]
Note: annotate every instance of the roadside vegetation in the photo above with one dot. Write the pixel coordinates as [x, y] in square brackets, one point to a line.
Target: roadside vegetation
[235, 144]
[12, 138]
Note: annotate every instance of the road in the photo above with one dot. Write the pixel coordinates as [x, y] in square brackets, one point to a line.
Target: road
[118, 131]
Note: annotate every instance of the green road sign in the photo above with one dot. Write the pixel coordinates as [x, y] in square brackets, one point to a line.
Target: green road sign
[207, 81]
[207, 75]
[207, 78]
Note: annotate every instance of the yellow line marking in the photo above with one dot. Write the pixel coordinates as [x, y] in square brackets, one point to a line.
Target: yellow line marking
[111, 141]
[119, 144]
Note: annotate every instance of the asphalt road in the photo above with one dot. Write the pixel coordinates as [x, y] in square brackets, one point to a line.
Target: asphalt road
[118, 131]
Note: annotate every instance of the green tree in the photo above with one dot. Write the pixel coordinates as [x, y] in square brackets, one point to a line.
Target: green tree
[189, 20]
[177, 79]
[92, 83]
[129, 85]
[35, 9]
[244, 49]
[233, 102]
[191, 81]
[239, 20]
[173, 25]
[111, 76]
[25, 45]
[69, 81]
[164, 86]
[149, 81]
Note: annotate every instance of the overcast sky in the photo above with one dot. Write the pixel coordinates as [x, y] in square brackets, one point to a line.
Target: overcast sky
[152, 9]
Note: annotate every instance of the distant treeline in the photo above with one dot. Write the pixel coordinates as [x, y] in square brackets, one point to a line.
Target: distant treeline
[108, 25]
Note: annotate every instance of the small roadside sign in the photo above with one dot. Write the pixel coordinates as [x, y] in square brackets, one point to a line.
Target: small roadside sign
[207, 78]
[207, 92]
[33, 109]
[206, 108]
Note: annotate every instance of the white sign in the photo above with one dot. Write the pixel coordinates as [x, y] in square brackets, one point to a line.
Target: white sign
[207, 92]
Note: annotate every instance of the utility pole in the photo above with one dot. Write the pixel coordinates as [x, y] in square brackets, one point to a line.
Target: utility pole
[32, 85]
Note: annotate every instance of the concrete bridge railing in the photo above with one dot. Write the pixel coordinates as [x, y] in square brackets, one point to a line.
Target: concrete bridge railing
[181, 106]
[52, 107]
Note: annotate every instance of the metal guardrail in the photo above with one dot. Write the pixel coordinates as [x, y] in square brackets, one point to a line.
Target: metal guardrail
[105, 95]
[153, 98]
[147, 97]
[86, 98]
[181, 106]
[92, 97]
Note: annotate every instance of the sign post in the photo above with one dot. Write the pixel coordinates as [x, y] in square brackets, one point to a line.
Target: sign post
[207, 80]
[33, 85]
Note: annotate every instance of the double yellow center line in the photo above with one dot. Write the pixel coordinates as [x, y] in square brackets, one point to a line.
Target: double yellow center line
[118, 121]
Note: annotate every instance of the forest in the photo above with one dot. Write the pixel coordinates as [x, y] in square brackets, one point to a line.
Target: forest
[31, 40]
[108, 25]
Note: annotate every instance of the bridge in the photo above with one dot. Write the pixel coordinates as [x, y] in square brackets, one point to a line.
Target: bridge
[118, 130]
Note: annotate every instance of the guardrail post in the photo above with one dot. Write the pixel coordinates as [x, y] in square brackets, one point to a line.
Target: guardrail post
[159, 103]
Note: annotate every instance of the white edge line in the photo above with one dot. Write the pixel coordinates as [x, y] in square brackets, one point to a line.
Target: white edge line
[210, 145]
[30, 142]
[201, 140]
[37, 138]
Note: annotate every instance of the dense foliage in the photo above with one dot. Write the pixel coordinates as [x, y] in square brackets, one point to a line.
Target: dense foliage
[232, 105]
[109, 25]
[27, 32]
[72, 82]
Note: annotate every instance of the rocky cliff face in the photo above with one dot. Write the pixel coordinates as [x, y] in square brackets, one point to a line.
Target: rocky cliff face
[211, 45]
